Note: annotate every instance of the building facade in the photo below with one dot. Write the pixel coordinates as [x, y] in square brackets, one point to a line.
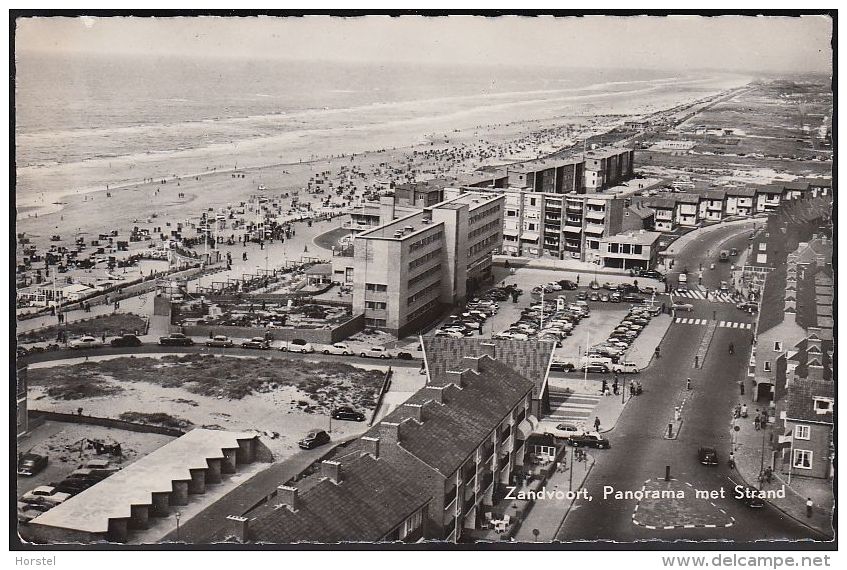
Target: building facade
[630, 250]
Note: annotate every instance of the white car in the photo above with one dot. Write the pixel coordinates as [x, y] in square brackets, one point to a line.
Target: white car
[449, 333]
[376, 352]
[45, 495]
[338, 348]
[683, 307]
[564, 430]
[297, 345]
[86, 342]
[625, 368]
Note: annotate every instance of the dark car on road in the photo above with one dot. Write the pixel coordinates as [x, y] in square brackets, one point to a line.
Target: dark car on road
[256, 342]
[347, 413]
[707, 455]
[581, 296]
[31, 464]
[650, 274]
[568, 285]
[314, 439]
[126, 340]
[589, 440]
[405, 356]
[748, 307]
[748, 496]
[176, 339]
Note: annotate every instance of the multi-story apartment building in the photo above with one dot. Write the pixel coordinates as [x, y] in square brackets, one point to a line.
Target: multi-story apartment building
[421, 194]
[406, 270]
[556, 176]
[606, 167]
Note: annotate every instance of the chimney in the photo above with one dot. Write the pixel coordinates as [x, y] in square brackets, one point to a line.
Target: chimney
[386, 209]
[331, 470]
[389, 433]
[287, 496]
[371, 445]
[814, 342]
[459, 378]
[489, 349]
[472, 362]
[413, 411]
[436, 393]
[239, 527]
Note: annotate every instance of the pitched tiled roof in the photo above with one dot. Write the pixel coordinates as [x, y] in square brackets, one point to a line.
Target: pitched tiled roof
[687, 198]
[662, 203]
[530, 358]
[801, 404]
[770, 189]
[806, 302]
[773, 300]
[372, 500]
[744, 192]
[713, 194]
[803, 356]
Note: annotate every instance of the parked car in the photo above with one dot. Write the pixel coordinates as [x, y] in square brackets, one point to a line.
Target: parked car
[733, 252]
[313, 439]
[256, 342]
[593, 439]
[376, 352]
[651, 274]
[604, 298]
[86, 342]
[405, 356]
[594, 297]
[630, 298]
[451, 334]
[31, 464]
[297, 345]
[568, 285]
[176, 339]
[610, 286]
[564, 431]
[338, 348]
[625, 368]
[749, 496]
[127, 340]
[683, 307]
[561, 366]
[748, 307]
[615, 297]
[595, 367]
[581, 296]
[347, 413]
[594, 285]
[707, 455]
[220, 341]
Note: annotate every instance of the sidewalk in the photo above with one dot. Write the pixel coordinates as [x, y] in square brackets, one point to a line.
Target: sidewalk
[750, 444]
[557, 264]
[547, 515]
[644, 348]
[608, 408]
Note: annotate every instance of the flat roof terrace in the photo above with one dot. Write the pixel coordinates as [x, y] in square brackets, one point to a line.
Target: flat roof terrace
[113, 497]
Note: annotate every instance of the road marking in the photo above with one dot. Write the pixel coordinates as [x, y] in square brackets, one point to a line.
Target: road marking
[722, 323]
[711, 525]
[689, 526]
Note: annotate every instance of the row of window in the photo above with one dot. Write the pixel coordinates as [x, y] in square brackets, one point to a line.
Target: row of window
[483, 245]
[483, 229]
[374, 322]
[424, 258]
[484, 214]
[624, 248]
[436, 270]
[426, 307]
[432, 238]
[376, 287]
[376, 305]
[423, 293]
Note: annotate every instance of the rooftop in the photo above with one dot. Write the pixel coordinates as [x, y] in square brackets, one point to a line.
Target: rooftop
[606, 152]
[801, 399]
[544, 163]
[404, 226]
[742, 192]
[370, 501]
[112, 497]
[641, 237]
[433, 185]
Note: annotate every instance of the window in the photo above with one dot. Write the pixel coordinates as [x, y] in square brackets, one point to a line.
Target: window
[625, 248]
[375, 322]
[762, 246]
[802, 432]
[532, 201]
[411, 525]
[822, 406]
[802, 459]
[637, 249]
[614, 247]
[777, 346]
[376, 287]
[377, 305]
[511, 213]
[767, 365]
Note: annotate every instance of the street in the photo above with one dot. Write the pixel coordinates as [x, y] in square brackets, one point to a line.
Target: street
[640, 452]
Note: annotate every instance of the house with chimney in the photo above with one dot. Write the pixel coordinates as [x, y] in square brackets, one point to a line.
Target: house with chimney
[806, 410]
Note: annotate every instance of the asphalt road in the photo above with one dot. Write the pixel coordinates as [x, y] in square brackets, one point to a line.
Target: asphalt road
[640, 452]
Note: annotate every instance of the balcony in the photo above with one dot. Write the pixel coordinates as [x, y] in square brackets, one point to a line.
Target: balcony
[452, 504]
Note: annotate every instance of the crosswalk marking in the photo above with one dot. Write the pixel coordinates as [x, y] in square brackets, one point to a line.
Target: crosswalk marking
[571, 406]
[714, 297]
[721, 324]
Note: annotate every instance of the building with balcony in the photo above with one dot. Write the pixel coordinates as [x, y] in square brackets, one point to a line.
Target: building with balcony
[606, 167]
[740, 201]
[630, 250]
[407, 270]
[688, 209]
[551, 175]
[768, 197]
[712, 205]
[664, 213]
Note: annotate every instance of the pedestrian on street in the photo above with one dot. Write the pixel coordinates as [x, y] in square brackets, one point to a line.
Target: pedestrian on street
[809, 506]
[688, 384]
[604, 387]
[741, 385]
[757, 423]
[596, 423]
[632, 387]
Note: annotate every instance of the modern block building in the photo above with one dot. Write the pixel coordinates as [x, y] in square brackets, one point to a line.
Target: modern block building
[630, 250]
[606, 167]
[407, 269]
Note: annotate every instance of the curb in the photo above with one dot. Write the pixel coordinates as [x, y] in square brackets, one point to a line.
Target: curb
[570, 506]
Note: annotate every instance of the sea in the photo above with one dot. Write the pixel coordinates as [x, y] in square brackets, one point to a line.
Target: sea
[76, 113]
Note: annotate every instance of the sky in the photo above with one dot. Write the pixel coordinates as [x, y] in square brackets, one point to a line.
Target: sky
[730, 43]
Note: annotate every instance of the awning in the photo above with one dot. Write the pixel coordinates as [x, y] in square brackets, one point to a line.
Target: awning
[529, 236]
[524, 429]
[595, 215]
[573, 229]
[510, 232]
[595, 202]
[594, 229]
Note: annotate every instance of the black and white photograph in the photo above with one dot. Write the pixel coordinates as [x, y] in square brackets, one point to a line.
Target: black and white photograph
[409, 280]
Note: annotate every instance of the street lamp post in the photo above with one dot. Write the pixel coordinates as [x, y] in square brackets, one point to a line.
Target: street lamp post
[177, 515]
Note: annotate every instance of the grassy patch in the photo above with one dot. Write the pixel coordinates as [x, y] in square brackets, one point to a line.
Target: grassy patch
[85, 382]
[111, 325]
[323, 384]
[158, 419]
